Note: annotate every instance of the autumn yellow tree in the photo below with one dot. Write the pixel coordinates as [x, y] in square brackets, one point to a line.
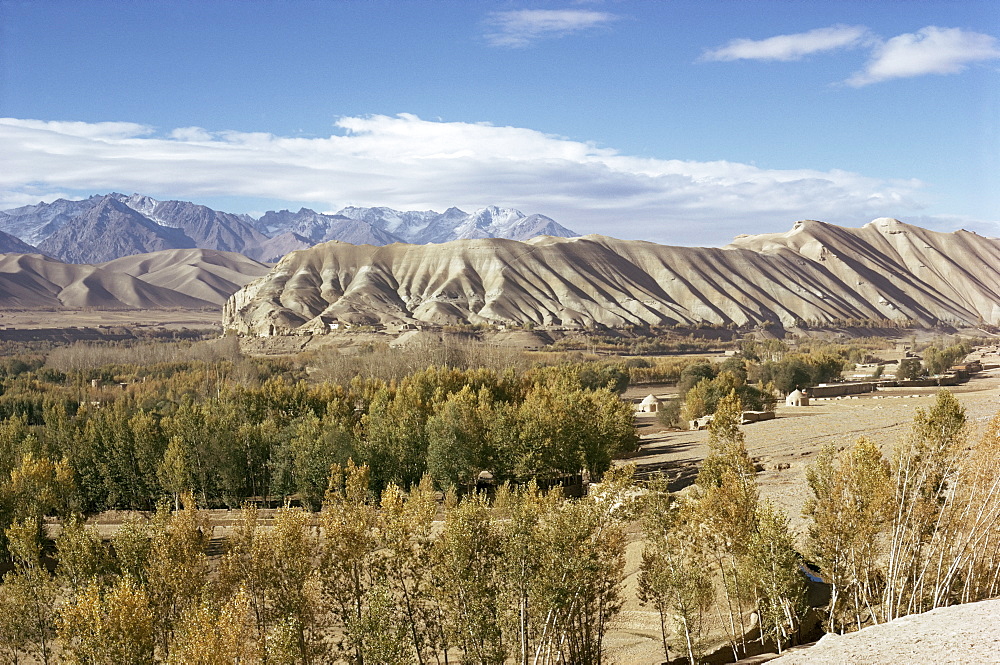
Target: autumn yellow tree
[850, 512]
[31, 593]
[208, 635]
[109, 626]
[673, 577]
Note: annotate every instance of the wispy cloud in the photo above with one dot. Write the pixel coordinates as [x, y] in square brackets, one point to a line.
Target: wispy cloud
[791, 47]
[409, 163]
[520, 28]
[931, 50]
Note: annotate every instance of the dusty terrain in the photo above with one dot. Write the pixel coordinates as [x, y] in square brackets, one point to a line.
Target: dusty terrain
[797, 434]
[961, 635]
[28, 320]
[55, 326]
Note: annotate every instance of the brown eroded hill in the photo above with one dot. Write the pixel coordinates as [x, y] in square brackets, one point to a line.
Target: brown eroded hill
[206, 274]
[815, 272]
[171, 279]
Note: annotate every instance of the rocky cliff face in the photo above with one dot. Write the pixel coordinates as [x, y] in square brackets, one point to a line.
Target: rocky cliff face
[110, 230]
[886, 270]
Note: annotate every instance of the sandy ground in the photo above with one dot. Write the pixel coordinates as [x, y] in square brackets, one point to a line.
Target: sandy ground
[964, 634]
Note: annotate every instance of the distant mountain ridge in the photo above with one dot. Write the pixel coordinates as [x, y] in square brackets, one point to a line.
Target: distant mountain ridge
[105, 227]
[816, 272]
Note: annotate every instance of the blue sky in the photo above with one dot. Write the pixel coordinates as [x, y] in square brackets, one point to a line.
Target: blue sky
[678, 122]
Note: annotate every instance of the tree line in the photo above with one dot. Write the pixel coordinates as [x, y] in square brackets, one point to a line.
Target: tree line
[527, 577]
[385, 573]
[193, 430]
[911, 531]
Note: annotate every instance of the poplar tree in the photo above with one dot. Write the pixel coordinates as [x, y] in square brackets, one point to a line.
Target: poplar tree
[850, 511]
[31, 593]
[208, 635]
[405, 523]
[673, 577]
[727, 506]
[925, 464]
[347, 555]
[176, 568]
[113, 625]
[471, 590]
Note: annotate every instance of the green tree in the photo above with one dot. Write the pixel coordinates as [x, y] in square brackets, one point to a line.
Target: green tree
[133, 545]
[470, 589]
[582, 550]
[395, 442]
[386, 640]
[189, 463]
[909, 369]
[316, 445]
[773, 564]
[704, 397]
[455, 454]
[518, 514]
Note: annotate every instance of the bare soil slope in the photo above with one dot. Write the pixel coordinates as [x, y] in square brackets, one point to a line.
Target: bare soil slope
[172, 279]
[886, 270]
[202, 273]
[963, 634]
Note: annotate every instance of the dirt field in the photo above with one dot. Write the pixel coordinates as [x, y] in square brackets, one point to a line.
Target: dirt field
[68, 319]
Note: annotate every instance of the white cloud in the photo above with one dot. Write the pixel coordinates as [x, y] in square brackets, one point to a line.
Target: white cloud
[931, 50]
[192, 134]
[90, 130]
[515, 29]
[408, 163]
[791, 47]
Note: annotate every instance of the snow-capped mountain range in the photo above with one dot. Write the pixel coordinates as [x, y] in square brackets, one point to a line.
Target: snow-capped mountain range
[106, 227]
[415, 227]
